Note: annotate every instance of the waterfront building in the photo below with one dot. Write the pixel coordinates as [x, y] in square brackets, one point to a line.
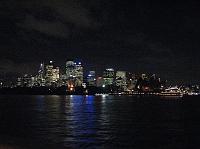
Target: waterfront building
[79, 74]
[52, 74]
[70, 69]
[91, 80]
[74, 73]
[49, 74]
[121, 80]
[56, 74]
[26, 81]
[41, 75]
[108, 76]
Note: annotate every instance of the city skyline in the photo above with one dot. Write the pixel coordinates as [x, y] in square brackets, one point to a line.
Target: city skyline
[99, 74]
[62, 70]
[74, 80]
[155, 37]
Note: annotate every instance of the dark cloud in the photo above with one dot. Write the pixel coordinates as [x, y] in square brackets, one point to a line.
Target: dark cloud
[140, 37]
[56, 29]
[10, 67]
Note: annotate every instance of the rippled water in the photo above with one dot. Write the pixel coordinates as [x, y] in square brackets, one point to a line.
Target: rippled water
[97, 122]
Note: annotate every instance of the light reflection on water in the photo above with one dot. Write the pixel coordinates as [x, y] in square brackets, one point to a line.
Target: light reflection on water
[91, 121]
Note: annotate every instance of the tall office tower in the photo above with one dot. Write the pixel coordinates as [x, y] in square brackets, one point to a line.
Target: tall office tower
[108, 76]
[70, 69]
[70, 73]
[41, 75]
[74, 73]
[79, 74]
[91, 80]
[56, 74]
[49, 73]
[41, 70]
[121, 80]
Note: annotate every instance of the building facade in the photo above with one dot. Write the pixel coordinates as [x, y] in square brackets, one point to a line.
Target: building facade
[108, 76]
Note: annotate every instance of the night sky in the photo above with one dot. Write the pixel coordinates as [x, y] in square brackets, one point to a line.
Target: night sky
[137, 36]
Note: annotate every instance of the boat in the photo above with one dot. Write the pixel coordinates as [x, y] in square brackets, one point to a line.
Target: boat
[172, 91]
[101, 94]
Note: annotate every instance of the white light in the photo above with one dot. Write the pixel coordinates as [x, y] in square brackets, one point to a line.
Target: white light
[103, 85]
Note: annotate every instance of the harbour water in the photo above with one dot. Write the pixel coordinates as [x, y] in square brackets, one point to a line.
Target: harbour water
[99, 122]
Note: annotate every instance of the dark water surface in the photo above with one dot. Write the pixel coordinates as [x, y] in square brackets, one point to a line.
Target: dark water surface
[59, 122]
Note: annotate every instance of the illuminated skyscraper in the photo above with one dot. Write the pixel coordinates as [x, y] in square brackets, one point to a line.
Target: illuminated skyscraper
[70, 73]
[70, 69]
[91, 80]
[41, 70]
[52, 74]
[121, 80]
[108, 76]
[41, 75]
[56, 74]
[74, 73]
[79, 74]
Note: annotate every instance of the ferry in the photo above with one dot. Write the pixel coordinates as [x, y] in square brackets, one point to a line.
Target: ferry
[172, 91]
[101, 94]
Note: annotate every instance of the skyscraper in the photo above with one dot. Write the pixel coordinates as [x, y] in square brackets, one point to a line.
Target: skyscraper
[91, 80]
[49, 73]
[79, 74]
[108, 76]
[41, 75]
[70, 69]
[121, 80]
[56, 74]
[70, 73]
[74, 73]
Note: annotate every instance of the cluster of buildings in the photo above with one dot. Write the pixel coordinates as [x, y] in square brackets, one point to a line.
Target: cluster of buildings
[50, 75]
[75, 79]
